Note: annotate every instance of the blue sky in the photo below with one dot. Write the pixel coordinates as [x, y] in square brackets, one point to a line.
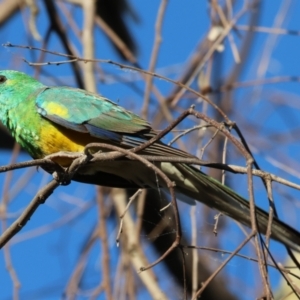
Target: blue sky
[44, 262]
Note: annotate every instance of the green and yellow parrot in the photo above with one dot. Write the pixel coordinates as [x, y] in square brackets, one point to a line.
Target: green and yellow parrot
[45, 120]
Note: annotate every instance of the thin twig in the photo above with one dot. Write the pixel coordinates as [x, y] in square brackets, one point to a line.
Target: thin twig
[272, 30]
[105, 262]
[205, 284]
[88, 43]
[271, 212]
[254, 227]
[154, 55]
[131, 199]
[195, 251]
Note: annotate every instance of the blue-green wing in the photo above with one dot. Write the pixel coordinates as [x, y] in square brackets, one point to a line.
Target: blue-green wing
[83, 111]
[90, 113]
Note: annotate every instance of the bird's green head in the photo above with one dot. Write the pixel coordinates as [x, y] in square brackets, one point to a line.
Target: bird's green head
[15, 87]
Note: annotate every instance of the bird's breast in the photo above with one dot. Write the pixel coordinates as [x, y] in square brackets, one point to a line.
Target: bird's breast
[55, 138]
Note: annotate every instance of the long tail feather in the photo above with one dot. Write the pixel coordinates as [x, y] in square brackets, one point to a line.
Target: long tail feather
[218, 196]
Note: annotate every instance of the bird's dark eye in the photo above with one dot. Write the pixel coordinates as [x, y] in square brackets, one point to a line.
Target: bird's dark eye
[2, 79]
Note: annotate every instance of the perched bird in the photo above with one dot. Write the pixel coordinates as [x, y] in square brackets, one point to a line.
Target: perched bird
[45, 120]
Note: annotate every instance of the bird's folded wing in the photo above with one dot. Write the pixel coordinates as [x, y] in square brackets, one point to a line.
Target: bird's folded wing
[90, 113]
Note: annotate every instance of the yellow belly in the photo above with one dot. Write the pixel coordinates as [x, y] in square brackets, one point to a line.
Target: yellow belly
[55, 139]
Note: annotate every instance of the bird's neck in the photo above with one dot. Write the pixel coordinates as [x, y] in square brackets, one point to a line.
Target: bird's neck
[21, 118]
[11, 98]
